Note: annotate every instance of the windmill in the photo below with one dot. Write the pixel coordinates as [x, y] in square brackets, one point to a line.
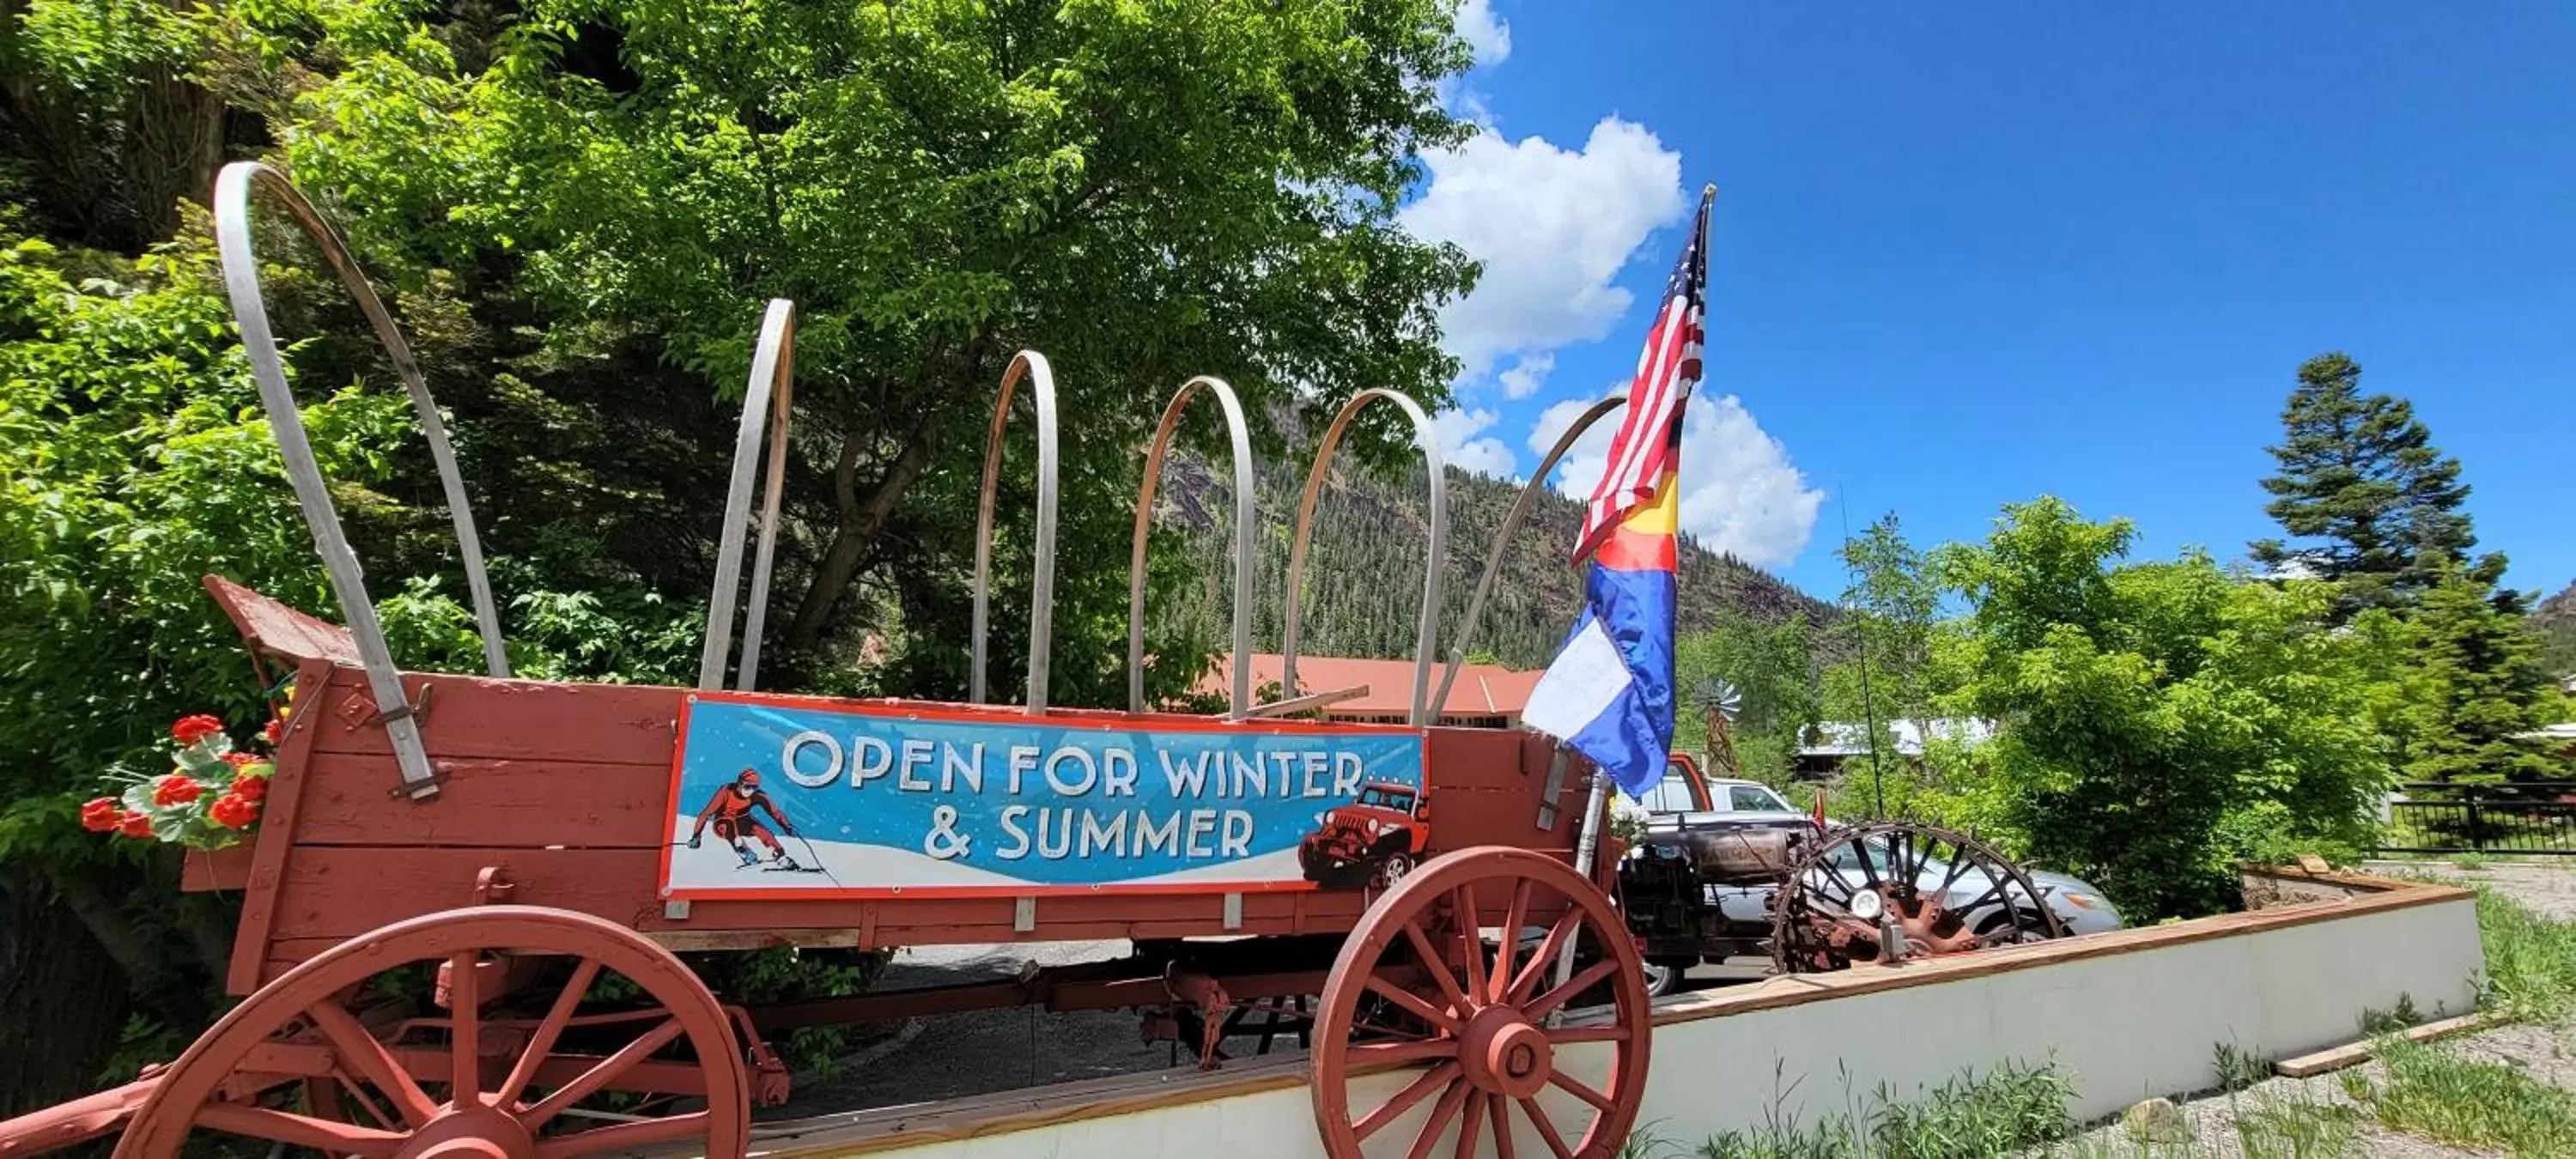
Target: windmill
[1718, 703]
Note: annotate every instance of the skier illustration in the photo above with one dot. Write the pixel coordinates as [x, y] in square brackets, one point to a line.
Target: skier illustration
[730, 813]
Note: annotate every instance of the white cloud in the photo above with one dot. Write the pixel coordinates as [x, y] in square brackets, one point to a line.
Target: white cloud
[1527, 375]
[1740, 492]
[1552, 226]
[1484, 31]
[1461, 447]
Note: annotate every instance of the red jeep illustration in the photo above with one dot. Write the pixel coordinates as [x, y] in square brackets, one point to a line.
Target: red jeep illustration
[1374, 840]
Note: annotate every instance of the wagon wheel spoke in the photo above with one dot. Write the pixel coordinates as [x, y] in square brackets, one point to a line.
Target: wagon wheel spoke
[1470, 1120]
[1404, 1100]
[1583, 980]
[1868, 870]
[360, 1050]
[1525, 983]
[323, 1097]
[1471, 941]
[1441, 1112]
[1546, 1129]
[625, 1136]
[1572, 1086]
[296, 1130]
[1509, 944]
[590, 1081]
[1399, 1053]
[1438, 968]
[1498, 1109]
[1564, 1035]
[542, 1041]
[1413, 1004]
[465, 1029]
[1993, 893]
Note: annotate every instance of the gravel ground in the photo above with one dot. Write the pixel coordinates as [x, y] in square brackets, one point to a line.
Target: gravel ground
[953, 1056]
[2548, 1053]
[2547, 886]
[956, 1055]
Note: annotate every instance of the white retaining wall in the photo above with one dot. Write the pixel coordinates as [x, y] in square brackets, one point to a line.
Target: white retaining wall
[2125, 1015]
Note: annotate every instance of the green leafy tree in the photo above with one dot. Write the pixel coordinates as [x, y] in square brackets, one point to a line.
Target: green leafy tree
[1141, 191]
[2483, 687]
[2158, 720]
[132, 462]
[1884, 638]
[2366, 497]
[1773, 667]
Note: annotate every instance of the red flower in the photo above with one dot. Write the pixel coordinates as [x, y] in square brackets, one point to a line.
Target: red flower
[249, 788]
[234, 811]
[102, 815]
[275, 729]
[192, 729]
[239, 759]
[175, 789]
[137, 825]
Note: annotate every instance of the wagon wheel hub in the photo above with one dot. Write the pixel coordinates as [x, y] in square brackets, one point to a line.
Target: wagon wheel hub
[472, 1133]
[1504, 1054]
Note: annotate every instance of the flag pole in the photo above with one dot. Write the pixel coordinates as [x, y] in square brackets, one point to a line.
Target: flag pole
[1587, 848]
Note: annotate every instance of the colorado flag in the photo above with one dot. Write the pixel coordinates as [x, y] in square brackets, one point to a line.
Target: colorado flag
[1609, 692]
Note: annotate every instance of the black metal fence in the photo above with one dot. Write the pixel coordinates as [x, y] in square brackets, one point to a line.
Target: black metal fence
[2533, 817]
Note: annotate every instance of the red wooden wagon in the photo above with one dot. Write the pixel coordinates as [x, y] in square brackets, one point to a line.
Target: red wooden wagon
[524, 845]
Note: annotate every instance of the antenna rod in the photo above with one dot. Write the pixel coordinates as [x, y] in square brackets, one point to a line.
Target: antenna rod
[1868, 705]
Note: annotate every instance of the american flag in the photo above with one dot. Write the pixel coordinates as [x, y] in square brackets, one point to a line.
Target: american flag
[1650, 436]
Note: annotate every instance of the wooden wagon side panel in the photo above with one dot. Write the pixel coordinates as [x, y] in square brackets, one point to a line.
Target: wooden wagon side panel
[473, 717]
[560, 794]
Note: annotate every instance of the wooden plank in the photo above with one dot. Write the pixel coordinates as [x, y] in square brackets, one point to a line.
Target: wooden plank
[2353, 1053]
[272, 844]
[274, 629]
[486, 802]
[523, 720]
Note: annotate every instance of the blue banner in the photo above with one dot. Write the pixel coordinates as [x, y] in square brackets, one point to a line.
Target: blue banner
[780, 794]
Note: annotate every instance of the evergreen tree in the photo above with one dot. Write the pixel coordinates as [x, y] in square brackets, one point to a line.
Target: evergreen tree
[2486, 685]
[2362, 483]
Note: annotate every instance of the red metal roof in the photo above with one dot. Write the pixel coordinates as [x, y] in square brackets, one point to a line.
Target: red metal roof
[1482, 691]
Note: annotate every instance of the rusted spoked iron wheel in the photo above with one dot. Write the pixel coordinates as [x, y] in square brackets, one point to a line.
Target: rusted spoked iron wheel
[1420, 988]
[1945, 891]
[501, 1092]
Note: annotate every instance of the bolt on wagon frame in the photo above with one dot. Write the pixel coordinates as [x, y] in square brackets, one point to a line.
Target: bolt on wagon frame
[527, 844]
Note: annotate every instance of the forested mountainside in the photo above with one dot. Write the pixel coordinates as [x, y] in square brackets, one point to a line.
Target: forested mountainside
[2555, 620]
[1364, 567]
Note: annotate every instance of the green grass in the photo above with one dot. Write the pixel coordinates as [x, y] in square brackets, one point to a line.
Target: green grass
[2531, 961]
[2436, 1093]
[2296, 1129]
[2010, 1110]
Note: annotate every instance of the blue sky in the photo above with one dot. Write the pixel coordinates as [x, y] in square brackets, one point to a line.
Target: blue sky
[1969, 254]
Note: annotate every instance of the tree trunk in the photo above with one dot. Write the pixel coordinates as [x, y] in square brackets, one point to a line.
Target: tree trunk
[862, 520]
[63, 1000]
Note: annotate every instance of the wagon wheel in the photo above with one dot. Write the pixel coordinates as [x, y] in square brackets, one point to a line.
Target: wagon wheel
[1947, 892]
[382, 1103]
[1479, 1017]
